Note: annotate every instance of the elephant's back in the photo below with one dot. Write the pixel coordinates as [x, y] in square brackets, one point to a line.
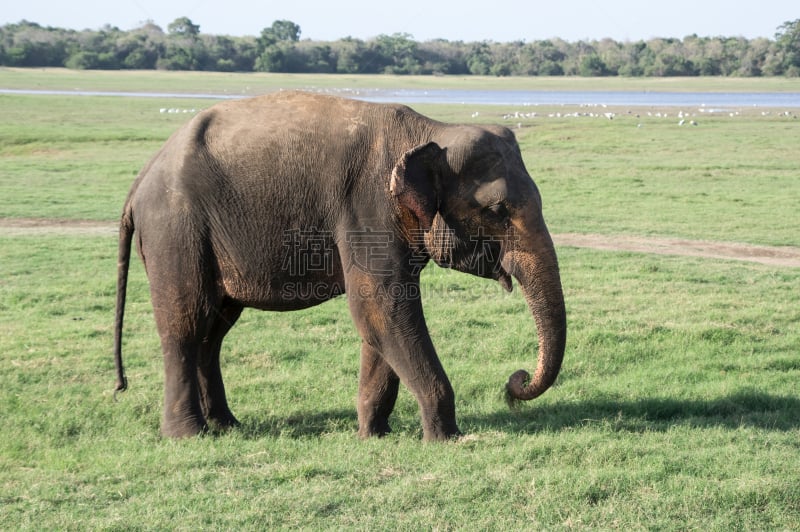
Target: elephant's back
[289, 137]
[285, 112]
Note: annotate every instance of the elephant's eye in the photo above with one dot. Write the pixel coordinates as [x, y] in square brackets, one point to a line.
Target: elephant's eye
[499, 210]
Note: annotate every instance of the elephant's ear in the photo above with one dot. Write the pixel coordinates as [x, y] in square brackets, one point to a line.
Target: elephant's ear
[415, 182]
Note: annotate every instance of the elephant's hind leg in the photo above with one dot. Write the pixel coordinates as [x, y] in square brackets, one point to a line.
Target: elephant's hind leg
[182, 413]
[212, 390]
[183, 304]
[377, 392]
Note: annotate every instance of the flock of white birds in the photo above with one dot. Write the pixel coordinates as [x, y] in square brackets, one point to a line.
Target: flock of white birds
[683, 117]
[176, 111]
[680, 116]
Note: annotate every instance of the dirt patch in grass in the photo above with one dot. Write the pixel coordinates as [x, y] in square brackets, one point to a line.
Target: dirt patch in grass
[785, 256]
[42, 226]
[773, 255]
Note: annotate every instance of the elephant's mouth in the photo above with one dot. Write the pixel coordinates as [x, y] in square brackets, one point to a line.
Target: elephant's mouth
[482, 258]
[488, 269]
[504, 278]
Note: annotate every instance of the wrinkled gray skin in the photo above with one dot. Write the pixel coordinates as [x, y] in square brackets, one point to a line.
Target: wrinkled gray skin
[284, 201]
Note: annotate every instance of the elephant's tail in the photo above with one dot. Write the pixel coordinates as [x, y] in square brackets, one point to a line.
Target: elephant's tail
[123, 262]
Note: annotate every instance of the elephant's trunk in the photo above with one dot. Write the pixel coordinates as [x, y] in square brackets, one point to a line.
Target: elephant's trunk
[536, 269]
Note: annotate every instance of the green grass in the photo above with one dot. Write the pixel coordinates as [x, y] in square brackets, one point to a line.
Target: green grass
[677, 406]
[729, 178]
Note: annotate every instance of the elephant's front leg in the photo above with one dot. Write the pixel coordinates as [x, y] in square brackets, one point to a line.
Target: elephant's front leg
[396, 327]
[377, 392]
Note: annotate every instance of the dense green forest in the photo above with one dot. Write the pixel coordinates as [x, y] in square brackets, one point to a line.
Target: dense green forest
[279, 49]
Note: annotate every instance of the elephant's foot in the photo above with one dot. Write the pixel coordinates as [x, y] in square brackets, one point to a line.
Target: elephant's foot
[444, 433]
[183, 428]
[183, 418]
[439, 421]
[378, 426]
[222, 421]
[215, 409]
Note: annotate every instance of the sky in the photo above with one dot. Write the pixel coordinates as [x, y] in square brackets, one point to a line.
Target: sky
[453, 20]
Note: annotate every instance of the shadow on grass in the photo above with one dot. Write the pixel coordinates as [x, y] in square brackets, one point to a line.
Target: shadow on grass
[743, 409]
[300, 425]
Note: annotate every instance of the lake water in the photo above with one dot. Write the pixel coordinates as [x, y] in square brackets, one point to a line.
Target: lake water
[621, 98]
[511, 97]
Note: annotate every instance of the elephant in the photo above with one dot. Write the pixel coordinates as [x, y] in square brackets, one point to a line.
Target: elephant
[283, 201]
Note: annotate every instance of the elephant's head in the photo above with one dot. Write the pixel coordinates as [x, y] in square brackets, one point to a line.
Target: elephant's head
[480, 212]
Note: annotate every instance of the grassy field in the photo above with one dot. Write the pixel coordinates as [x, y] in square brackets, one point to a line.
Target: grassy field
[255, 83]
[677, 407]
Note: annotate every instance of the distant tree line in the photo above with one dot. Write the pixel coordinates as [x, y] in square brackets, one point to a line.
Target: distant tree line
[279, 49]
